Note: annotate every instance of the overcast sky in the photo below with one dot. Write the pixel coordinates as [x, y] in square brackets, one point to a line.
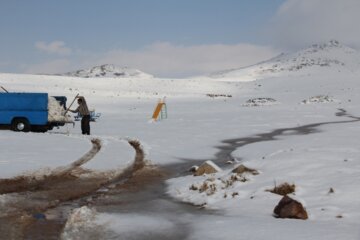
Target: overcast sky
[167, 38]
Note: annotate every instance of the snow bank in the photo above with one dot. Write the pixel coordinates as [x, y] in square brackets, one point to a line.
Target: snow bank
[80, 221]
[209, 190]
[87, 223]
[129, 225]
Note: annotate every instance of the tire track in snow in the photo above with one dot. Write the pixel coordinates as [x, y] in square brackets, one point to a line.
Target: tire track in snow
[69, 182]
[27, 196]
[96, 146]
[32, 182]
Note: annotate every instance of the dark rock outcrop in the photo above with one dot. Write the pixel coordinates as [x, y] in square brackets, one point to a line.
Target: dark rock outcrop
[290, 208]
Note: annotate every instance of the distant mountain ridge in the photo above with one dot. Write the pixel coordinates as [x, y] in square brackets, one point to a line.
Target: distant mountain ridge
[331, 55]
[108, 71]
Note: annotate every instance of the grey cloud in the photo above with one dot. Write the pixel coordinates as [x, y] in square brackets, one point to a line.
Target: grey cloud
[302, 22]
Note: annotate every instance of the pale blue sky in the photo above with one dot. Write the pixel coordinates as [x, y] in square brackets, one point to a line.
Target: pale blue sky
[55, 36]
[133, 23]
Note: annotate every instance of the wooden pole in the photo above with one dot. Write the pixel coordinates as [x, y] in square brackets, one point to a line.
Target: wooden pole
[4, 89]
[71, 104]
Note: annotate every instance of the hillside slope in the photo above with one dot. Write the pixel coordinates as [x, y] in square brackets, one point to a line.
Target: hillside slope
[330, 57]
[108, 71]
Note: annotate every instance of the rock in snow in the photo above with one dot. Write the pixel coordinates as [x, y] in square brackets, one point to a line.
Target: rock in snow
[290, 208]
[263, 101]
[81, 219]
[207, 167]
[318, 99]
[242, 169]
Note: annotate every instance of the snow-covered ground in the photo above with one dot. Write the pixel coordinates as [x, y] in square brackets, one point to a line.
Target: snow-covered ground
[313, 145]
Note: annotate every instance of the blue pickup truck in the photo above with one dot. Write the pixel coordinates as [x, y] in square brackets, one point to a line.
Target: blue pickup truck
[29, 112]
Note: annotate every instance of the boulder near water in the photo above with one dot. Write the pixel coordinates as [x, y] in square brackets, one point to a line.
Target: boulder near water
[290, 208]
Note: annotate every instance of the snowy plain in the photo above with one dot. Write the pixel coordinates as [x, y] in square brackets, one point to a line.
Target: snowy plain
[312, 145]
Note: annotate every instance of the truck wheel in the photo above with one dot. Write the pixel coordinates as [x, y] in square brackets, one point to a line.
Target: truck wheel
[20, 125]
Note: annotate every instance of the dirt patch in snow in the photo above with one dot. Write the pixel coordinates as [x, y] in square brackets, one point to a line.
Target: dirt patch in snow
[283, 189]
[256, 102]
[32, 195]
[35, 181]
[147, 175]
[319, 99]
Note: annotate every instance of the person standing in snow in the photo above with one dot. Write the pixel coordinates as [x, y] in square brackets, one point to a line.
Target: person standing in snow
[85, 115]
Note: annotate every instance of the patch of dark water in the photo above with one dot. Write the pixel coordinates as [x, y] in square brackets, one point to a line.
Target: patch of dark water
[143, 194]
[223, 155]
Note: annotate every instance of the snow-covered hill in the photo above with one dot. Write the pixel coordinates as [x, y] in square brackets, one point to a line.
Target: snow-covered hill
[330, 57]
[109, 70]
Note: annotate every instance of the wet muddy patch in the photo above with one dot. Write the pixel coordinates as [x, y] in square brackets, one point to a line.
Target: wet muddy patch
[36, 180]
[26, 202]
